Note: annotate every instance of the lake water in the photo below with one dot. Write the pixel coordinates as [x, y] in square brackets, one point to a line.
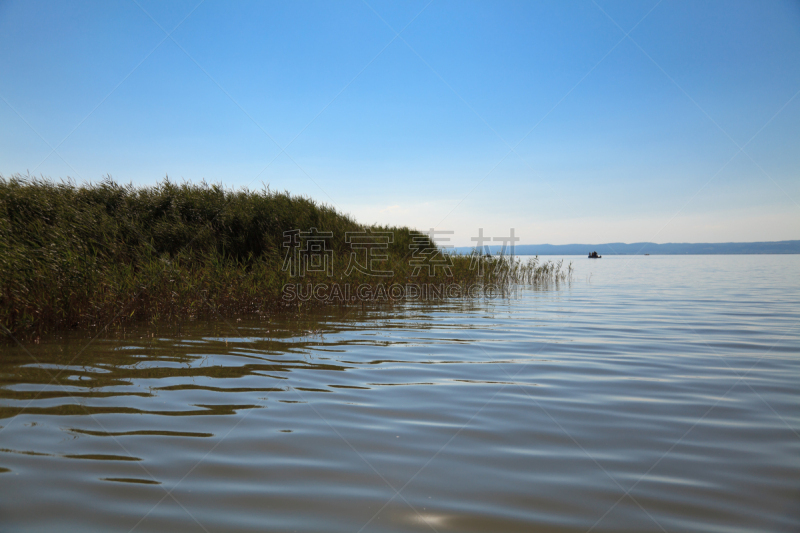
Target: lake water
[654, 393]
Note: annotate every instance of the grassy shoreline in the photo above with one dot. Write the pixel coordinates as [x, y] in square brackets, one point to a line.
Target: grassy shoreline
[97, 255]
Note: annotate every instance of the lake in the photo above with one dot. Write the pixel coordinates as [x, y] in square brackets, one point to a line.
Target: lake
[653, 393]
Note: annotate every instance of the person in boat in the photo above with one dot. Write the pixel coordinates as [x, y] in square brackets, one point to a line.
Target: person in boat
[594, 255]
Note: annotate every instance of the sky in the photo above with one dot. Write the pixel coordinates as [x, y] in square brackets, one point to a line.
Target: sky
[568, 121]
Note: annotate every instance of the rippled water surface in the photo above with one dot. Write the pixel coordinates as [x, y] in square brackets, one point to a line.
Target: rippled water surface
[653, 393]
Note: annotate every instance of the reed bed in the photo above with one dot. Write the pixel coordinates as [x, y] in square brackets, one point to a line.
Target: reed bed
[505, 271]
[76, 256]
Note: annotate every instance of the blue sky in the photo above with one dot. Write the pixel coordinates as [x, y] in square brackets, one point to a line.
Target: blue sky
[541, 116]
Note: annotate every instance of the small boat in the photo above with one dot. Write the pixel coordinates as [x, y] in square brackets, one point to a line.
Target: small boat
[594, 255]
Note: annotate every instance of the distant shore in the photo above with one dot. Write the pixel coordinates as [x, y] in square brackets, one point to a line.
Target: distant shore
[641, 248]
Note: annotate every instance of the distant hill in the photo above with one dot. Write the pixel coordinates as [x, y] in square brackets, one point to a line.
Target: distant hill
[638, 248]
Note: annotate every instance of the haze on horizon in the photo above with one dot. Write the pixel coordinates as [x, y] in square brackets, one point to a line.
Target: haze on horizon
[580, 122]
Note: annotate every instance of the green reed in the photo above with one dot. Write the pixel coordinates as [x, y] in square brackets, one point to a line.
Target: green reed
[100, 254]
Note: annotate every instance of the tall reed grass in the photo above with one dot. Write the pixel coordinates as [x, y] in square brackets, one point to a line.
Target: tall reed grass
[94, 255]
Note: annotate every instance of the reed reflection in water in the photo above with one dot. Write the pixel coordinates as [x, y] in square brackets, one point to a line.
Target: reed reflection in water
[660, 395]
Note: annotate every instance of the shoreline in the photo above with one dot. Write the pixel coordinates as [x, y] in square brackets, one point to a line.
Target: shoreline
[80, 256]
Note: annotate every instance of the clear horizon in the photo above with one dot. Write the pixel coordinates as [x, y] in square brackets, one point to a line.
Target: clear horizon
[571, 123]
